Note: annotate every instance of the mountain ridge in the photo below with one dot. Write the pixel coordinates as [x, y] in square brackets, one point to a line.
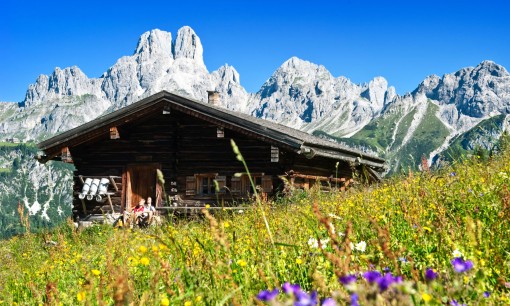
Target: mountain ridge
[300, 94]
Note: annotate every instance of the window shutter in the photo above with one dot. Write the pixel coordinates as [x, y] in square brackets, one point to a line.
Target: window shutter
[267, 183]
[191, 188]
[235, 187]
[222, 180]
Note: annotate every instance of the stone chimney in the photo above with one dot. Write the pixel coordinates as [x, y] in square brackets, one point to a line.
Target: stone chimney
[213, 97]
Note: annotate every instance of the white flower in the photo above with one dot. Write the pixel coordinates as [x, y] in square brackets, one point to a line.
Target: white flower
[361, 246]
[314, 243]
[456, 253]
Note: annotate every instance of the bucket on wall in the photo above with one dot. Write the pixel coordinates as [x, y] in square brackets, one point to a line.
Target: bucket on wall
[102, 189]
[93, 189]
[85, 189]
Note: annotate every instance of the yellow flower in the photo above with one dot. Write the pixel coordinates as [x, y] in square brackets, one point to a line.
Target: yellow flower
[242, 262]
[426, 297]
[226, 224]
[80, 296]
[427, 229]
[198, 299]
[142, 249]
[207, 206]
[187, 303]
[96, 272]
[144, 261]
[299, 261]
[165, 302]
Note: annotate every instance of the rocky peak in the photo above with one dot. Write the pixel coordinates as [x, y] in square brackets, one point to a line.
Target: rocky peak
[376, 93]
[154, 42]
[62, 82]
[491, 68]
[187, 45]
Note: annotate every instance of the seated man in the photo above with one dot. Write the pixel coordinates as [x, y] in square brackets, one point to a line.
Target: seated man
[149, 211]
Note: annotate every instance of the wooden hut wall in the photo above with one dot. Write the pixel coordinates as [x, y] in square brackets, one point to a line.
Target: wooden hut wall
[183, 145]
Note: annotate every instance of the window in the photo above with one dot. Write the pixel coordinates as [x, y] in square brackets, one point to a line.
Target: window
[203, 184]
[275, 154]
[220, 132]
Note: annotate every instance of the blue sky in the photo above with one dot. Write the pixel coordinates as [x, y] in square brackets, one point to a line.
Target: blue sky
[358, 39]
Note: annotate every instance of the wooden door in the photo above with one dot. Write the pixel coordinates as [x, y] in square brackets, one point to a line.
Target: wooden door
[141, 183]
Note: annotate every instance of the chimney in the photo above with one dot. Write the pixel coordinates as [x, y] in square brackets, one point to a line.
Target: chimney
[213, 97]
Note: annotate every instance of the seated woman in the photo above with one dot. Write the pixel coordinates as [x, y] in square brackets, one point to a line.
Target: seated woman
[133, 216]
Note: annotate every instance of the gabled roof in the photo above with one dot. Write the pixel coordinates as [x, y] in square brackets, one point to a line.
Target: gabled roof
[277, 134]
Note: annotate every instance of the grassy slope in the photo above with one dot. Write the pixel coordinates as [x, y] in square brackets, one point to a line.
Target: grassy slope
[483, 130]
[408, 224]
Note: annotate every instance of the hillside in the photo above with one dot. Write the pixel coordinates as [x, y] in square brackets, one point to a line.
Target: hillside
[432, 236]
[42, 192]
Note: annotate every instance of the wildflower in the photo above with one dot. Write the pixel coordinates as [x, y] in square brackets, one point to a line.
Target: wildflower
[289, 288]
[165, 301]
[299, 261]
[142, 249]
[268, 295]
[360, 246]
[207, 206]
[96, 272]
[486, 294]
[453, 173]
[457, 253]
[430, 274]
[426, 297]
[187, 303]
[242, 263]
[198, 299]
[387, 280]
[403, 260]
[371, 276]
[314, 243]
[455, 303]
[460, 266]
[305, 299]
[80, 296]
[427, 229]
[226, 224]
[328, 302]
[354, 299]
[348, 279]
[144, 261]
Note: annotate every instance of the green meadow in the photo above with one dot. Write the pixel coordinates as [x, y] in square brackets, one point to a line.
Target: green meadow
[438, 238]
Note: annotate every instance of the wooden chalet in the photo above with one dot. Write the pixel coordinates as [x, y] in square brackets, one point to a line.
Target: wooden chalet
[189, 142]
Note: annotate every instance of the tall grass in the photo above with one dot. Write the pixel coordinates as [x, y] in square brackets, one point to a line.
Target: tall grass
[403, 226]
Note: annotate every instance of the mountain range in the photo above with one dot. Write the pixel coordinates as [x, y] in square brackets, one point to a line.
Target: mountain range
[441, 112]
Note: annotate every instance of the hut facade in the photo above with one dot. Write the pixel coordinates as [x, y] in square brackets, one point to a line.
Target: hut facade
[190, 142]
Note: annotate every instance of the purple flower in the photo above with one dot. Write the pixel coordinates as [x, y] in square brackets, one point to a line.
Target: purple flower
[372, 276]
[460, 266]
[453, 173]
[455, 303]
[289, 288]
[430, 274]
[305, 299]
[354, 299]
[387, 280]
[348, 279]
[268, 295]
[486, 294]
[329, 302]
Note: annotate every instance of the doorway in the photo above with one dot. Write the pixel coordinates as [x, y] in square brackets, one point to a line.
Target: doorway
[141, 182]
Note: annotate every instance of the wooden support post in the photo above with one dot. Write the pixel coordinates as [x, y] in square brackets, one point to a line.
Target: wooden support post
[112, 181]
[110, 202]
[84, 206]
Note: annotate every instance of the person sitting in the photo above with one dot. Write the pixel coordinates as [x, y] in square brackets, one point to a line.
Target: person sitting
[149, 210]
[137, 212]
